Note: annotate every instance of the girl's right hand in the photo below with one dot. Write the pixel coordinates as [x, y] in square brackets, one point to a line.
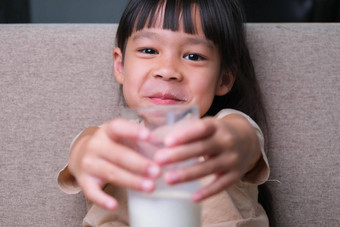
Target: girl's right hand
[99, 157]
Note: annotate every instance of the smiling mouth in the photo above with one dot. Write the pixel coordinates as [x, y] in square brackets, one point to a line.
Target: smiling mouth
[165, 99]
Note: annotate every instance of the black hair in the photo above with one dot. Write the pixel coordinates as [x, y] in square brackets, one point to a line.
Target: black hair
[223, 23]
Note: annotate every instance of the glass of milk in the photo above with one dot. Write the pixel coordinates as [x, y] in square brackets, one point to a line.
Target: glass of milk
[168, 205]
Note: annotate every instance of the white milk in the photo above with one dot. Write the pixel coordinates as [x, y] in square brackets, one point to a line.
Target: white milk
[163, 209]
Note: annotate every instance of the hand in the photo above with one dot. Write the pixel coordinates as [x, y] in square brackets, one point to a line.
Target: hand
[99, 157]
[229, 146]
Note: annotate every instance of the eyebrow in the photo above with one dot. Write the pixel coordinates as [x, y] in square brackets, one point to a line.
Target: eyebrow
[192, 40]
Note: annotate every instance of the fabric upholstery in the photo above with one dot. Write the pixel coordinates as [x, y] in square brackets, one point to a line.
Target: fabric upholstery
[55, 80]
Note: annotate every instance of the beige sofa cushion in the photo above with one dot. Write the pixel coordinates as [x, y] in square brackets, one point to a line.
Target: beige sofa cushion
[55, 80]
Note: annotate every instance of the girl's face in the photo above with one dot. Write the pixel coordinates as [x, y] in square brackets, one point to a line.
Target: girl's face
[164, 67]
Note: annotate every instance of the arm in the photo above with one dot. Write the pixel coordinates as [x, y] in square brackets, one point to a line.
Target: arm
[260, 173]
[66, 180]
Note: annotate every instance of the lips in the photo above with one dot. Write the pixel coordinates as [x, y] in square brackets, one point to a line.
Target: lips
[164, 93]
[165, 98]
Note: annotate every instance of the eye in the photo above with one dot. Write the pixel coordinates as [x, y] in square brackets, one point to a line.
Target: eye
[194, 57]
[148, 51]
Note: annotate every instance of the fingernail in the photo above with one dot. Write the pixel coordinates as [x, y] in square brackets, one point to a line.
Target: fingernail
[171, 177]
[197, 197]
[147, 185]
[110, 205]
[169, 142]
[161, 157]
[154, 171]
[143, 134]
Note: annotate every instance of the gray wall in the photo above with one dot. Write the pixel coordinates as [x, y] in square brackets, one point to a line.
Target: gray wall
[76, 11]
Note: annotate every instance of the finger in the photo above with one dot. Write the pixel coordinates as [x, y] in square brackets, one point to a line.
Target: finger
[92, 190]
[120, 154]
[130, 160]
[221, 182]
[112, 174]
[217, 164]
[121, 128]
[192, 172]
[198, 129]
[187, 151]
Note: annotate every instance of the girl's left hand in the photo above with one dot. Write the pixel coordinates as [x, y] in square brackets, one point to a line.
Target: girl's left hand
[229, 146]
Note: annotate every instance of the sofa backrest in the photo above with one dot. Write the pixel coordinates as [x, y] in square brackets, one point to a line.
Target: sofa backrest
[56, 80]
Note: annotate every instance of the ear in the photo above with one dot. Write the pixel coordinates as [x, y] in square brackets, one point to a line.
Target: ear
[118, 65]
[225, 83]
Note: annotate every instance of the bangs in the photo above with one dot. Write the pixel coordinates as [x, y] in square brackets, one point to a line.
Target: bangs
[221, 20]
[171, 13]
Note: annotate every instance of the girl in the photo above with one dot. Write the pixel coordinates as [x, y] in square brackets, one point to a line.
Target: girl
[179, 52]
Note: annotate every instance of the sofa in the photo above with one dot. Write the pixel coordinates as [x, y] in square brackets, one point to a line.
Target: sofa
[57, 79]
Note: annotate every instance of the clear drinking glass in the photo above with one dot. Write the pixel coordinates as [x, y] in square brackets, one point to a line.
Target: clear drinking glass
[168, 205]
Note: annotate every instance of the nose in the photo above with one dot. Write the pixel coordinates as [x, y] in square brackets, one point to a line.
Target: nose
[168, 69]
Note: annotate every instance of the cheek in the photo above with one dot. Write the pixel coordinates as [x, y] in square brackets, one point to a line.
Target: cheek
[129, 88]
[130, 95]
[204, 85]
[204, 93]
